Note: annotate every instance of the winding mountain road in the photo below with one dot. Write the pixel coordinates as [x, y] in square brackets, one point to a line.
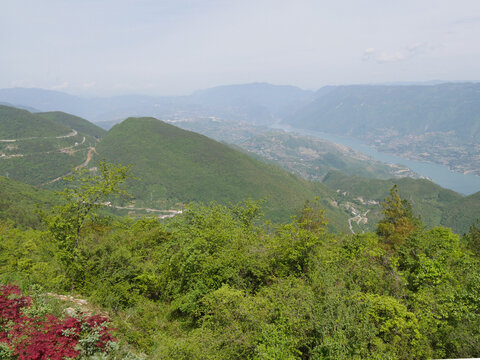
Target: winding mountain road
[70, 134]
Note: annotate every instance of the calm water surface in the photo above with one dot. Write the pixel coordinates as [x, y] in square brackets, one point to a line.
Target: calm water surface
[440, 174]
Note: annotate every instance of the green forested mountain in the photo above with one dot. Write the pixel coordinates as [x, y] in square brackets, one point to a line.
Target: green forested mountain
[434, 204]
[360, 110]
[220, 281]
[74, 122]
[462, 213]
[178, 166]
[437, 123]
[17, 124]
[38, 149]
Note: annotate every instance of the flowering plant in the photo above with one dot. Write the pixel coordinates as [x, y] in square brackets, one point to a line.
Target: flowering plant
[25, 335]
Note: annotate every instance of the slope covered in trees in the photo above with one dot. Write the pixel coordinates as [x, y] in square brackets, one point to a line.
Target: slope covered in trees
[360, 110]
[220, 282]
[37, 149]
[20, 203]
[434, 204]
[74, 122]
[178, 166]
[17, 124]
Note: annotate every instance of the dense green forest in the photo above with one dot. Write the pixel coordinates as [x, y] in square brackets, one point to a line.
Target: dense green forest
[27, 124]
[38, 148]
[74, 122]
[176, 166]
[221, 282]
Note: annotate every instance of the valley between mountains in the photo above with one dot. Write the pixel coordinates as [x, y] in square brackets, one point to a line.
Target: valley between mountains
[174, 167]
[202, 237]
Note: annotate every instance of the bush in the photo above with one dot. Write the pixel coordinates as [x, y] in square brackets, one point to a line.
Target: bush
[27, 334]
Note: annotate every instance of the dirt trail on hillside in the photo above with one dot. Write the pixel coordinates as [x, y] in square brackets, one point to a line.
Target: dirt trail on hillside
[171, 213]
[70, 134]
[91, 150]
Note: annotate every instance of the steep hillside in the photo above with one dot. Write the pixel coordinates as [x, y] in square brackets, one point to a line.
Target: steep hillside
[463, 213]
[37, 150]
[18, 124]
[309, 157]
[74, 122]
[178, 166]
[438, 123]
[435, 205]
[360, 110]
[20, 202]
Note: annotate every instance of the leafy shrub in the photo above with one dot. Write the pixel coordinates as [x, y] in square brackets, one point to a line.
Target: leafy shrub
[24, 335]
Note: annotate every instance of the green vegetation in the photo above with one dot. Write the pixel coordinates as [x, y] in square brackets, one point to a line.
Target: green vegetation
[74, 122]
[41, 148]
[21, 203]
[306, 156]
[18, 124]
[439, 123]
[177, 166]
[221, 282]
[434, 204]
[461, 214]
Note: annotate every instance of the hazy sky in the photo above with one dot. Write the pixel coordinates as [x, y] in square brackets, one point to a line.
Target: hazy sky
[103, 47]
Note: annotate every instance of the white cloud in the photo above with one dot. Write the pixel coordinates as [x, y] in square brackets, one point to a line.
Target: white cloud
[400, 55]
[61, 86]
[89, 85]
[386, 58]
[368, 54]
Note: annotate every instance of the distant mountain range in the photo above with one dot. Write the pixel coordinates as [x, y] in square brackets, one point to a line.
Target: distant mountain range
[256, 103]
[437, 123]
[363, 110]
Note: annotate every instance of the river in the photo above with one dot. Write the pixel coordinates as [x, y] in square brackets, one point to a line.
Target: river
[440, 174]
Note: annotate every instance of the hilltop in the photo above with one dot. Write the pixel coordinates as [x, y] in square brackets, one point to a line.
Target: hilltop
[179, 166]
[74, 122]
[306, 156]
[19, 124]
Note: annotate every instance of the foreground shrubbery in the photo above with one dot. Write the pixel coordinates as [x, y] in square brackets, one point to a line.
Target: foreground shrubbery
[221, 283]
[28, 331]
